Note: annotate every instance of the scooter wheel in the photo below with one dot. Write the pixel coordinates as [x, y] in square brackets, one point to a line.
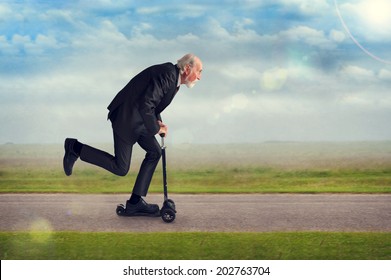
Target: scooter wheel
[120, 210]
[168, 215]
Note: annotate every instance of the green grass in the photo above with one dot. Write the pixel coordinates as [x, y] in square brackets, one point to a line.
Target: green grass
[356, 167]
[192, 246]
[201, 180]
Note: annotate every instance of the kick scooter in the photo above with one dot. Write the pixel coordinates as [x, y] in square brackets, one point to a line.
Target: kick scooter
[167, 212]
[168, 209]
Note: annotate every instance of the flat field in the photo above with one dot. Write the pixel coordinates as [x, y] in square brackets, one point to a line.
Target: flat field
[273, 167]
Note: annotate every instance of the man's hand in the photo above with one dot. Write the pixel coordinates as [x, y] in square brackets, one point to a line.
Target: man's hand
[163, 128]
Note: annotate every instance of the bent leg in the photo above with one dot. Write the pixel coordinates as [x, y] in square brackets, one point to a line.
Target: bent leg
[118, 164]
[148, 166]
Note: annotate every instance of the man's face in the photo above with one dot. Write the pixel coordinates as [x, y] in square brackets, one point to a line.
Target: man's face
[193, 74]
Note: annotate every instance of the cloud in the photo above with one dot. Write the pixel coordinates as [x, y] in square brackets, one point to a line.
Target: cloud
[308, 35]
[385, 75]
[5, 11]
[37, 46]
[240, 72]
[237, 102]
[306, 7]
[337, 36]
[6, 47]
[357, 73]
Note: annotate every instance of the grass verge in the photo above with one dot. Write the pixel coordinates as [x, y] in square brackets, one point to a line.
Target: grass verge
[202, 180]
[195, 246]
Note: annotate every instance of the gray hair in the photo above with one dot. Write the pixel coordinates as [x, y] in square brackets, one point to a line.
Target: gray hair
[187, 59]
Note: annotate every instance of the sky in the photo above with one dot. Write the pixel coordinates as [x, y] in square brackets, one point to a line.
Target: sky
[273, 70]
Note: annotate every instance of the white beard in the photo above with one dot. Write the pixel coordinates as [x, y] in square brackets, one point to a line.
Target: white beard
[190, 84]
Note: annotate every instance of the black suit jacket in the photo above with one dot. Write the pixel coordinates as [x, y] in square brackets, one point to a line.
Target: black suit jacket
[138, 105]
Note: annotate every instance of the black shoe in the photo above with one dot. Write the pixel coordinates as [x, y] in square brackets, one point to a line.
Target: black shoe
[70, 156]
[142, 209]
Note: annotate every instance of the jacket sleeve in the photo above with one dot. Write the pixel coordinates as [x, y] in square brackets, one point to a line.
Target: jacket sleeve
[148, 103]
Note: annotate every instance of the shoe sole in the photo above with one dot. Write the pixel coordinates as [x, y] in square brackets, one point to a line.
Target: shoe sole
[121, 211]
[141, 214]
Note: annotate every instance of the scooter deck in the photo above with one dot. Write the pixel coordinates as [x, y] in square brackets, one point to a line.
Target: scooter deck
[121, 211]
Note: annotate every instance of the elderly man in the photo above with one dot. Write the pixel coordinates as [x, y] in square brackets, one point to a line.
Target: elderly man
[135, 117]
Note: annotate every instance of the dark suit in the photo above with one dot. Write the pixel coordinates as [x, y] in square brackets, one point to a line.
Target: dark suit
[134, 114]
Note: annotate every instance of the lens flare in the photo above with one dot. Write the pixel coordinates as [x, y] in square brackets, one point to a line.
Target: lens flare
[274, 79]
[40, 230]
[376, 9]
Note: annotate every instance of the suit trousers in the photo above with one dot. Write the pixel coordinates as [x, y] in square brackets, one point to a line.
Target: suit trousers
[119, 164]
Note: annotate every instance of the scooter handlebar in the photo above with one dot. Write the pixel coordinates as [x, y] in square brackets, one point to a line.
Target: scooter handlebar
[162, 140]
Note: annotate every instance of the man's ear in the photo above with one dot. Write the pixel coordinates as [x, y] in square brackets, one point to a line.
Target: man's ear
[187, 69]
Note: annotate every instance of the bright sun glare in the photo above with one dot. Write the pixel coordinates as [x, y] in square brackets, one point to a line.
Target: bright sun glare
[376, 16]
[376, 13]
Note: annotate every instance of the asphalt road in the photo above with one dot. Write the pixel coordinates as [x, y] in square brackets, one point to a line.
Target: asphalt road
[220, 213]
